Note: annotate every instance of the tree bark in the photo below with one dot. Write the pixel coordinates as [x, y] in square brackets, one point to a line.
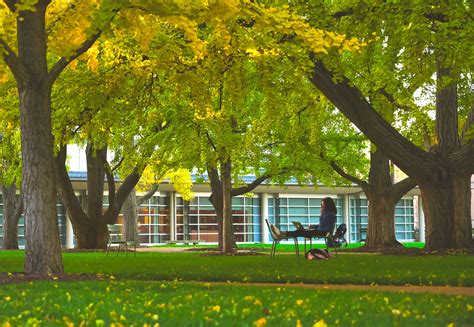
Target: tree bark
[228, 242]
[447, 197]
[440, 173]
[12, 209]
[216, 200]
[383, 196]
[130, 218]
[382, 202]
[42, 248]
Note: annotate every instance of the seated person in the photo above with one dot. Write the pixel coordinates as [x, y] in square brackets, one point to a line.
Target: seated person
[327, 220]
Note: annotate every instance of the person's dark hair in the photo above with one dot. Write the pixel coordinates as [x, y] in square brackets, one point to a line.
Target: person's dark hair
[329, 205]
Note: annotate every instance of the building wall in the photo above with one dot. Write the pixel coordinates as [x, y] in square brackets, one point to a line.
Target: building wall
[196, 219]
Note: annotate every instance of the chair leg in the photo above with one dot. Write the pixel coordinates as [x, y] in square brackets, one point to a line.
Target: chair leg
[273, 250]
[297, 248]
[331, 239]
[108, 249]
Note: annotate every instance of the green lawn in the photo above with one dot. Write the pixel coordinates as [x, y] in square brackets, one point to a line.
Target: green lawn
[454, 270]
[283, 247]
[157, 287]
[194, 304]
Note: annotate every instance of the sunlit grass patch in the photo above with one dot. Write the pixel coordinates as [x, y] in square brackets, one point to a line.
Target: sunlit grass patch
[176, 303]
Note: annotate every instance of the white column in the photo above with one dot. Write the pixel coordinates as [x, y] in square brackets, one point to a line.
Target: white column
[347, 217]
[172, 198]
[264, 215]
[69, 234]
[421, 215]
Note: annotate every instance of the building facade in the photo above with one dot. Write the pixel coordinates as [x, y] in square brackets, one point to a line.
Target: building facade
[167, 217]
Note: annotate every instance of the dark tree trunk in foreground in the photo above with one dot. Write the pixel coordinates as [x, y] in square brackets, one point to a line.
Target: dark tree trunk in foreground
[42, 248]
[90, 228]
[12, 209]
[383, 196]
[34, 83]
[443, 174]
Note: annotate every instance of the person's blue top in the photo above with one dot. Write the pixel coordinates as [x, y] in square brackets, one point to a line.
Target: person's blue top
[327, 222]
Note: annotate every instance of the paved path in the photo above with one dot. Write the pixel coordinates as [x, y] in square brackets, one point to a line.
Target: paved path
[162, 249]
[447, 290]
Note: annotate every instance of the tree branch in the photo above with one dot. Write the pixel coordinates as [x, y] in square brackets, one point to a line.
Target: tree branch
[401, 188]
[349, 177]
[251, 186]
[110, 180]
[66, 190]
[392, 100]
[211, 143]
[11, 59]
[64, 61]
[147, 195]
[350, 101]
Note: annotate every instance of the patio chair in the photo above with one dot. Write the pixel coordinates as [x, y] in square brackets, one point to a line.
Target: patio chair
[117, 240]
[278, 236]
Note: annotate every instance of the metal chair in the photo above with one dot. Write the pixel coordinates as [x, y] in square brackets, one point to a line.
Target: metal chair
[278, 236]
[117, 240]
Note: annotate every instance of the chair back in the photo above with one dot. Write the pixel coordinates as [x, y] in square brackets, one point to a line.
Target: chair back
[115, 234]
[272, 231]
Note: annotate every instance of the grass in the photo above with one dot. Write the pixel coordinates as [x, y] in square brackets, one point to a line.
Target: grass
[164, 288]
[194, 304]
[282, 247]
[453, 270]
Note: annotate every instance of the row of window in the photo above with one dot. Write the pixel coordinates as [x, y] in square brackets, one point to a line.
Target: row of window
[196, 219]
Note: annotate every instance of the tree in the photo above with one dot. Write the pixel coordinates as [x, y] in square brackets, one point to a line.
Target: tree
[25, 24]
[406, 45]
[443, 173]
[383, 195]
[34, 79]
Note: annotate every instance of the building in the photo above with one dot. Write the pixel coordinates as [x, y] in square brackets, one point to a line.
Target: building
[166, 217]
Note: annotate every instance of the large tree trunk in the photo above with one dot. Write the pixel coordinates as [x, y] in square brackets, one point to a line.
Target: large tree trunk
[447, 198]
[228, 242]
[381, 226]
[130, 218]
[382, 202]
[12, 209]
[383, 196]
[42, 249]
